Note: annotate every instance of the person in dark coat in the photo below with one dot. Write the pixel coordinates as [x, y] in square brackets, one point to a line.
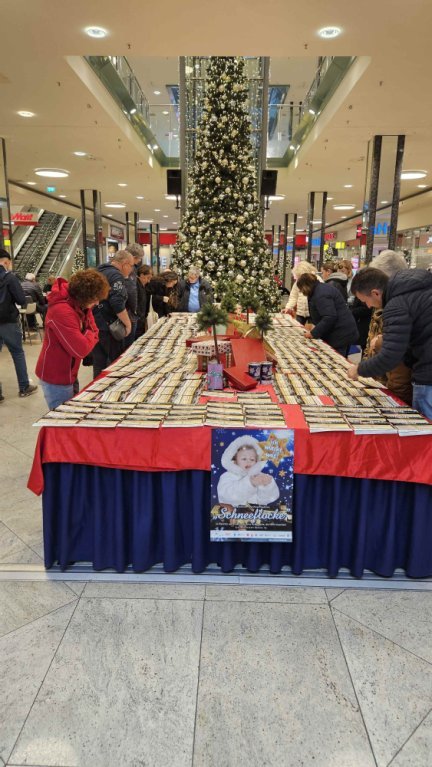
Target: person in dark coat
[144, 275]
[34, 295]
[338, 279]
[163, 290]
[333, 321]
[194, 291]
[406, 300]
[114, 307]
[362, 315]
[137, 252]
[11, 293]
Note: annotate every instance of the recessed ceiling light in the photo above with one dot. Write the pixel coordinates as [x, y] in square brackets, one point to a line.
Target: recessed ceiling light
[132, 111]
[329, 198]
[121, 184]
[384, 202]
[157, 93]
[175, 223]
[300, 217]
[63, 196]
[277, 197]
[409, 175]
[316, 222]
[292, 147]
[31, 183]
[80, 154]
[165, 112]
[163, 228]
[145, 221]
[97, 32]
[140, 197]
[155, 146]
[329, 33]
[170, 197]
[110, 215]
[421, 186]
[347, 186]
[359, 211]
[165, 216]
[52, 172]
[311, 111]
[24, 113]
[343, 216]
[343, 207]
[114, 204]
[157, 210]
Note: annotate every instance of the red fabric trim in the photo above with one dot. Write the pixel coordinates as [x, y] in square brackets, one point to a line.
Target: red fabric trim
[368, 456]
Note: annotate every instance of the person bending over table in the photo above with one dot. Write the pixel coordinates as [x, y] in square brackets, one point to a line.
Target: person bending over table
[331, 318]
[70, 333]
[406, 299]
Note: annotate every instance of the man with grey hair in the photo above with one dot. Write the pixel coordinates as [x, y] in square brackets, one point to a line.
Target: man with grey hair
[113, 307]
[137, 251]
[194, 291]
[389, 262]
[33, 293]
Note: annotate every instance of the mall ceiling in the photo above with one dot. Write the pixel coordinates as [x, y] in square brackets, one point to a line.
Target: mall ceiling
[386, 91]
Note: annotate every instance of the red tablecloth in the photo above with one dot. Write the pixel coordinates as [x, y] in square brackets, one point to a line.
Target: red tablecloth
[369, 456]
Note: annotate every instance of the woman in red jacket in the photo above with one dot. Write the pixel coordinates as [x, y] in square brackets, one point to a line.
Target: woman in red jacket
[70, 332]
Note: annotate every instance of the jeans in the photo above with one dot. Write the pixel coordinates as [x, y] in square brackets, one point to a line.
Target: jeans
[56, 394]
[422, 399]
[11, 336]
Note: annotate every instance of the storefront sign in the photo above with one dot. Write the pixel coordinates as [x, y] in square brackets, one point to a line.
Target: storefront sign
[25, 219]
[252, 485]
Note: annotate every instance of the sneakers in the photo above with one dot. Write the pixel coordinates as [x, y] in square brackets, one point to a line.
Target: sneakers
[28, 391]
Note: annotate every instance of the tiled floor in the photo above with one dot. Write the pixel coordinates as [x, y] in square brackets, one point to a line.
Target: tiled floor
[110, 674]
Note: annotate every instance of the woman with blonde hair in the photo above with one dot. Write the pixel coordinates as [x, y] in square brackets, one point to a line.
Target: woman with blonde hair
[297, 305]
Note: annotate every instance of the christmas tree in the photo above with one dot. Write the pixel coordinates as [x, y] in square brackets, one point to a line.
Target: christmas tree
[222, 230]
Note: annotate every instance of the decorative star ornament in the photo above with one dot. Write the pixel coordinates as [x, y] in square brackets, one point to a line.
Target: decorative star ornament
[275, 449]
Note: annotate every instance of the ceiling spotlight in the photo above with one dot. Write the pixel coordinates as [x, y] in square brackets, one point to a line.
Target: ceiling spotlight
[155, 146]
[140, 197]
[51, 172]
[384, 202]
[175, 223]
[163, 228]
[24, 113]
[343, 216]
[329, 198]
[63, 196]
[157, 210]
[121, 184]
[110, 215]
[410, 175]
[421, 186]
[145, 221]
[311, 111]
[165, 112]
[276, 197]
[359, 211]
[114, 204]
[329, 33]
[31, 183]
[165, 216]
[96, 32]
[157, 93]
[347, 186]
[316, 222]
[80, 154]
[343, 207]
[132, 111]
[292, 147]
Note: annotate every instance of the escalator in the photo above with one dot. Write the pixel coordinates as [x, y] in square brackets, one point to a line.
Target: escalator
[38, 243]
[53, 261]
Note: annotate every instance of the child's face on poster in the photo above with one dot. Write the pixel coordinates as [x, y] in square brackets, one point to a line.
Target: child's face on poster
[246, 458]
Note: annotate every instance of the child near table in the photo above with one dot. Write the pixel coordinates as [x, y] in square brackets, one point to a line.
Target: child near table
[244, 481]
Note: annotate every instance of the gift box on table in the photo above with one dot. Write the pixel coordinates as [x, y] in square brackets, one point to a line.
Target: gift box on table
[239, 379]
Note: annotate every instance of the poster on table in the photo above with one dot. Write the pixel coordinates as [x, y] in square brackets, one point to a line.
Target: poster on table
[252, 485]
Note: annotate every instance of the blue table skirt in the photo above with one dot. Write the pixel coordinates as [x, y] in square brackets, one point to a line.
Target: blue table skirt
[114, 518]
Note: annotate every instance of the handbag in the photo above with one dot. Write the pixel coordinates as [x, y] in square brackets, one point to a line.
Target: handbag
[152, 316]
[117, 330]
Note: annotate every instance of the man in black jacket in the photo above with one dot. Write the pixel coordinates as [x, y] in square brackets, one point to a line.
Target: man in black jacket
[114, 307]
[406, 300]
[11, 293]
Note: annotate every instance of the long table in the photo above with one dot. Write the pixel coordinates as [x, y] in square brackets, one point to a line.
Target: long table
[129, 497]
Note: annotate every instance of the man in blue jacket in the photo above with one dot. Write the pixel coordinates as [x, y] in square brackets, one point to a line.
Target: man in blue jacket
[11, 293]
[114, 307]
[406, 300]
